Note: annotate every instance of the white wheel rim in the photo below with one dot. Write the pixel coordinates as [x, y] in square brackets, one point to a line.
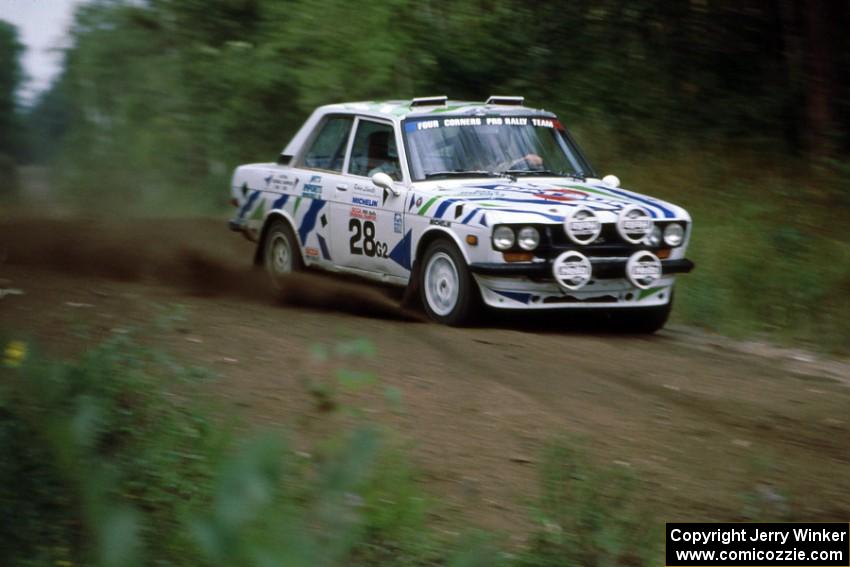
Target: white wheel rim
[280, 255]
[442, 283]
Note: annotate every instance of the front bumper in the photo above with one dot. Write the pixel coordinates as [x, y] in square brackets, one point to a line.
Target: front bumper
[532, 285]
[603, 268]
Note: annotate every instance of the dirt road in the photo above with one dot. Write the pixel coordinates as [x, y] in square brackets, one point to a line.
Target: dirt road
[710, 425]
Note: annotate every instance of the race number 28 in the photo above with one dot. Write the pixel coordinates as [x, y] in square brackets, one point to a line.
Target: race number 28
[365, 231]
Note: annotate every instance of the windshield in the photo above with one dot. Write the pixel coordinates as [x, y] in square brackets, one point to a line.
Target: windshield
[491, 145]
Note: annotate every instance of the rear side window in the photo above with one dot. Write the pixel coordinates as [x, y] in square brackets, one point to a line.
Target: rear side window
[328, 148]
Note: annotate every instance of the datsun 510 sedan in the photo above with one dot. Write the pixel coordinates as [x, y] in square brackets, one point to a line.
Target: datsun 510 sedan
[467, 203]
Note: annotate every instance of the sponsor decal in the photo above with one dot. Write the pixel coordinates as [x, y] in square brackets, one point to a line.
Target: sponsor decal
[312, 252]
[440, 222]
[281, 182]
[367, 214]
[557, 194]
[454, 122]
[366, 189]
[364, 202]
[313, 189]
[397, 223]
[479, 193]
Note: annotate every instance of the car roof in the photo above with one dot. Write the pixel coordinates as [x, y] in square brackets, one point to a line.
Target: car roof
[401, 109]
[398, 110]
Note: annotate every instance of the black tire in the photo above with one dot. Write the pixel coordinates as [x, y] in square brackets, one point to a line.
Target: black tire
[454, 302]
[643, 320]
[279, 240]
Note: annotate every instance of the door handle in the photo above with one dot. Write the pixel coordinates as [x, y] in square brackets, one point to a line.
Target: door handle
[342, 186]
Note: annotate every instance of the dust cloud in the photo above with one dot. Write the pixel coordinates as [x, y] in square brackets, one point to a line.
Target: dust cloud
[194, 256]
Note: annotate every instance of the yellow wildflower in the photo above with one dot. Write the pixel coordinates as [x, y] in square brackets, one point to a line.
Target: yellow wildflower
[15, 354]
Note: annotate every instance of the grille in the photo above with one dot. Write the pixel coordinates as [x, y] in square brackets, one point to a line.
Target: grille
[609, 244]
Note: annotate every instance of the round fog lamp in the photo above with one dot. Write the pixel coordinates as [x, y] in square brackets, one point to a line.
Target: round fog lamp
[674, 234]
[528, 238]
[503, 238]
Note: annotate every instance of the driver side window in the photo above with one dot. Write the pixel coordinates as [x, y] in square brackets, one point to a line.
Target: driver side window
[374, 151]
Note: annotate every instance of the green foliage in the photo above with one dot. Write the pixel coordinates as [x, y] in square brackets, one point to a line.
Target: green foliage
[105, 461]
[11, 76]
[589, 515]
[99, 462]
[159, 100]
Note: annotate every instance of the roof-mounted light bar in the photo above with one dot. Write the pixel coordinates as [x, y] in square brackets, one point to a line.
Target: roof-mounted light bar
[506, 100]
[430, 101]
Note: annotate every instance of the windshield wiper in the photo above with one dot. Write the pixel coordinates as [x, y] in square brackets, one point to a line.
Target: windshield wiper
[542, 173]
[473, 173]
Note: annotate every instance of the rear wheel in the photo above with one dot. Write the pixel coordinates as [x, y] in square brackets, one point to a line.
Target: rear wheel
[449, 293]
[281, 255]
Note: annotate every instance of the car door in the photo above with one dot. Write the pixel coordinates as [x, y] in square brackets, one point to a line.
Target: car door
[371, 217]
[320, 172]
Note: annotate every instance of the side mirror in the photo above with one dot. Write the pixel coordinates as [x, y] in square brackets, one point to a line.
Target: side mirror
[611, 180]
[384, 181]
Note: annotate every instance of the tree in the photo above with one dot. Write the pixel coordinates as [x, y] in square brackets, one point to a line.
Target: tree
[10, 79]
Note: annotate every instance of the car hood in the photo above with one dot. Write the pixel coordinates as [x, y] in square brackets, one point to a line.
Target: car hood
[541, 200]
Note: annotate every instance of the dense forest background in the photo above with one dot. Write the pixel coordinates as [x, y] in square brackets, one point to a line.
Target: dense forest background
[173, 93]
[738, 110]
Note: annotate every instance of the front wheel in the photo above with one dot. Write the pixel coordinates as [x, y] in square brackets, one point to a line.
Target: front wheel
[281, 255]
[449, 293]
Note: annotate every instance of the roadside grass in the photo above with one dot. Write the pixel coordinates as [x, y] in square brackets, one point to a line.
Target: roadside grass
[589, 514]
[107, 460]
[769, 240]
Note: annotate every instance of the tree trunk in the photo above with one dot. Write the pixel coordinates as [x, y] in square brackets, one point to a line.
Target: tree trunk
[822, 22]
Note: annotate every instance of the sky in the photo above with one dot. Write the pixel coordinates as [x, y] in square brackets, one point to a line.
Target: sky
[42, 27]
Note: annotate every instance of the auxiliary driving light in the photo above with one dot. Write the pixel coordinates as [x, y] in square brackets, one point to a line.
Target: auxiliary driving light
[643, 269]
[634, 224]
[582, 225]
[572, 270]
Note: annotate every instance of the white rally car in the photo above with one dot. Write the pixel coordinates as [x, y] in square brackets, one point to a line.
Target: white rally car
[466, 203]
